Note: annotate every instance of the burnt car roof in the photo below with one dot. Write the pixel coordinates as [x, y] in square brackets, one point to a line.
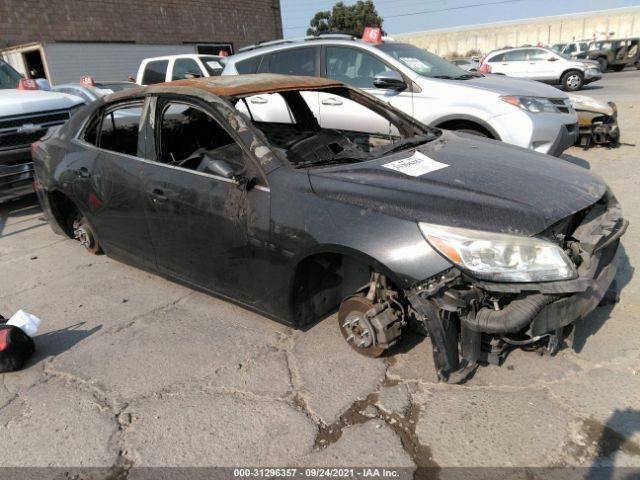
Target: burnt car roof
[253, 84]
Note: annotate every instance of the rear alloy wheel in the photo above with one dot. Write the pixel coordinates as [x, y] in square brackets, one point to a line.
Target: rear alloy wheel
[355, 328]
[572, 80]
[84, 233]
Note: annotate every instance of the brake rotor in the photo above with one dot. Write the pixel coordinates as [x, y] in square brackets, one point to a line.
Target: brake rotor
[355, 327]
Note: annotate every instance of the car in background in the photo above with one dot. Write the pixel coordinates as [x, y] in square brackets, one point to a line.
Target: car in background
[421, 84]
[90, 91]
[27, 112]
[575, 50]
[178, 67]
[542, 64]
[466, 64]
[615, 54]
[481, 245]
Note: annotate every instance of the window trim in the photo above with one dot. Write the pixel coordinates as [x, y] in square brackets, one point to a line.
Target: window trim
[161, 102]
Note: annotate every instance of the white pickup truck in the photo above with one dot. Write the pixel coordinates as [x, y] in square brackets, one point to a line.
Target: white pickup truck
[25, 117]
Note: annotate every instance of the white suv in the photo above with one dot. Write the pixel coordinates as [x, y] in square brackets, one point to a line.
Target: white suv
[543, 64]
[435, 92]
[177, 67]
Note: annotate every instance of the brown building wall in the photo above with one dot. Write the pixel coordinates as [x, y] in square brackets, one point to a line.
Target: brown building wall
[241, 22]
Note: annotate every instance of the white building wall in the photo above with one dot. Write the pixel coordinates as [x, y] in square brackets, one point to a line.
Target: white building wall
[615, 23]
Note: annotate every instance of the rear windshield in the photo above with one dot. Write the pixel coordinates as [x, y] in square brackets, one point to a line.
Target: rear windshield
[422, 62]
[9, 78]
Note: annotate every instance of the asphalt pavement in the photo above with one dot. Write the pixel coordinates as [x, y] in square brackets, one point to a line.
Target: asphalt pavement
[132, 370]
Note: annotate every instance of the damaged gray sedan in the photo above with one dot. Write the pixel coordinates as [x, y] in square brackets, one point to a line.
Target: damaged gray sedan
[480, 245]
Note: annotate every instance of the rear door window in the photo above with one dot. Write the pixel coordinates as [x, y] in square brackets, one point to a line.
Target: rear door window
[185, 68]
[496, 58]
[120, 129]
[250, 65]
[297, 61]
[155, 72]
[514, 56]
[536, 54]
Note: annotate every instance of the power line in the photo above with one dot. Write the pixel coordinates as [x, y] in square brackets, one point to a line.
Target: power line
[451, 8]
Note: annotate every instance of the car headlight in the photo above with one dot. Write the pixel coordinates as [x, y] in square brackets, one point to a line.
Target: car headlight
[532, 104]
[499, 257]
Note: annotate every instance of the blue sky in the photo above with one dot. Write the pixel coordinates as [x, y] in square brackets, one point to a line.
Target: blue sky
[404, 15]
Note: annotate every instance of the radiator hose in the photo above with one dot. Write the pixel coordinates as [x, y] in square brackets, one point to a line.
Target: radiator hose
[512, 318]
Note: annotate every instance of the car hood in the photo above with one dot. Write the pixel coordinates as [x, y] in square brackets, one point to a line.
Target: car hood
[19, 102]
[582, 103]
[503, 85]
[486, 185]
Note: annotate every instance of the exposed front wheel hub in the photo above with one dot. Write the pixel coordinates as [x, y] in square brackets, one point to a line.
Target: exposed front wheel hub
[356, 327]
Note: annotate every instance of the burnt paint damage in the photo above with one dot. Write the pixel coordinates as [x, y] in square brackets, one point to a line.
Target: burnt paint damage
[597, 121]
[295, 219]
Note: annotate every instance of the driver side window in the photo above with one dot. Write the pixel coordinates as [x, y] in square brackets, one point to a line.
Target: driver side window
[191, 138]
[353, 66]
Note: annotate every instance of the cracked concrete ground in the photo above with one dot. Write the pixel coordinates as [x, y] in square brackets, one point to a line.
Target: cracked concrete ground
[132, 370]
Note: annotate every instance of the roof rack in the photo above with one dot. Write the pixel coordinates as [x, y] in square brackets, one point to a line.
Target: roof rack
[282, 41]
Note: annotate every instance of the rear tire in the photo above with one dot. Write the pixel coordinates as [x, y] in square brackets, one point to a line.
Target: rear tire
[572, 80]
[604, 64]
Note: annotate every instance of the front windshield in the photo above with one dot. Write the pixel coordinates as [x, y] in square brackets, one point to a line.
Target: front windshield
[9, 78]
[422, 62]
[293, 126]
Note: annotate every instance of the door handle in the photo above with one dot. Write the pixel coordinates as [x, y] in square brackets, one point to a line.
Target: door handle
[259, 100]
[332, 102]
[158, 196]
[83, 172]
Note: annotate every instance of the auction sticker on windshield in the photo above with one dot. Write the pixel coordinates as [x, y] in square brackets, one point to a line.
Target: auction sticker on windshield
[415, 165]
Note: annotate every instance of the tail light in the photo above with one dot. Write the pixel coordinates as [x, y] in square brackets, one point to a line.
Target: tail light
[485, 68]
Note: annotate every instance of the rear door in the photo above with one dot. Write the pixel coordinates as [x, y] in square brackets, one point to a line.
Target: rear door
[206, 228]
[110, 186]
[512, 64]
[303, 61]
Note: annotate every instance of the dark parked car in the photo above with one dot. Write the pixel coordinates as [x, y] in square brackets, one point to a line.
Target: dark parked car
[481, 245]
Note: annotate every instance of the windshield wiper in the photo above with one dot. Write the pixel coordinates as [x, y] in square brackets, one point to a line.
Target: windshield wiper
[329, 161]
[408, 143]
[464, 77]
[446, 77]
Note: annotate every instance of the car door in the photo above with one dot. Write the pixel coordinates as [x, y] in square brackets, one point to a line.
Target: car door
[207, 228]
[358, 68]
[297, 61]
[542, 64]
[111, 187]
[512, 64]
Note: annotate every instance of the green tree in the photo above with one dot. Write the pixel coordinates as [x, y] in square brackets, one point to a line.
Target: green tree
[343, 18]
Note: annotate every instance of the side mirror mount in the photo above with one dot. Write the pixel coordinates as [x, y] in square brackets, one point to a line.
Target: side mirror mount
[552, 59]
[389, 79]
[219, 168]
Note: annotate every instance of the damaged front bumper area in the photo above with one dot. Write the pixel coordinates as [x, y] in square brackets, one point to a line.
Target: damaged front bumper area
[473, 322]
